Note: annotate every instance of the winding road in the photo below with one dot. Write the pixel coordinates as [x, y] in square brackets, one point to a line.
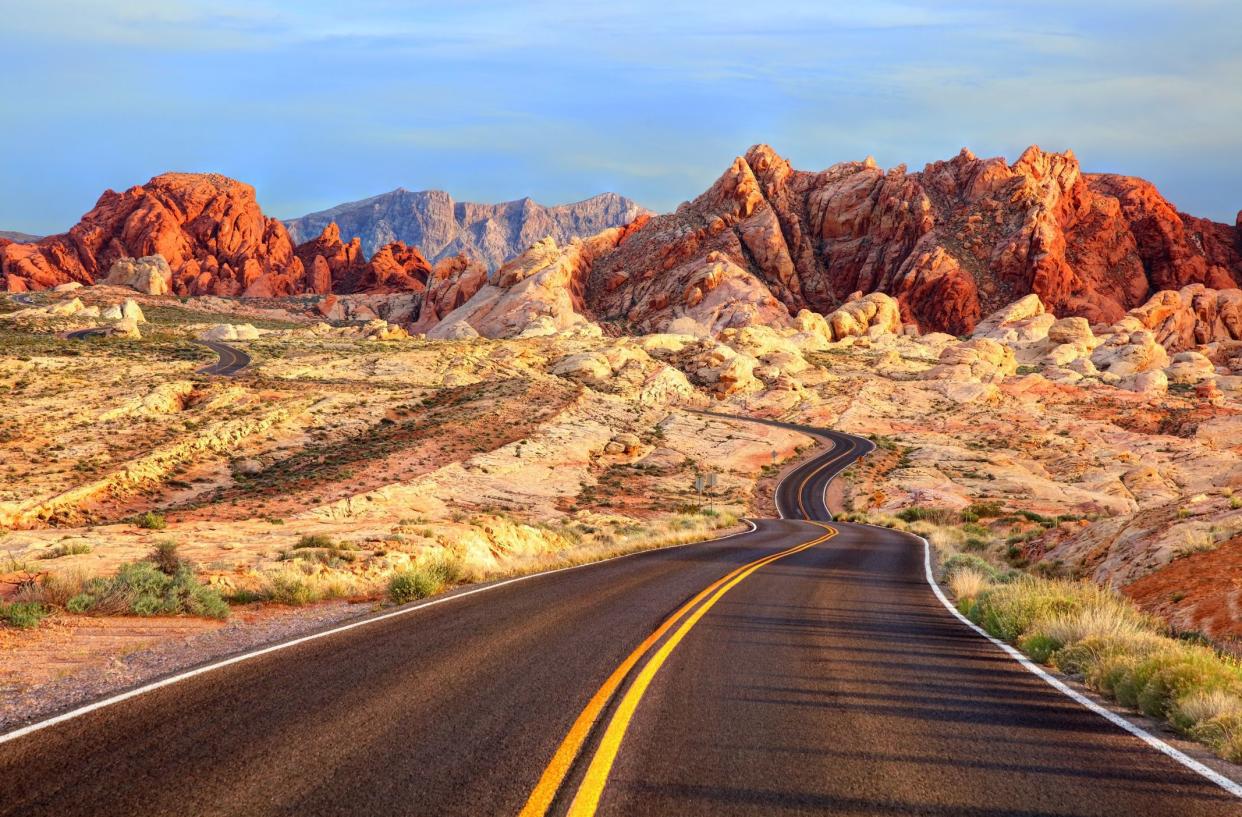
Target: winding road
[798, 668]
[232, 360]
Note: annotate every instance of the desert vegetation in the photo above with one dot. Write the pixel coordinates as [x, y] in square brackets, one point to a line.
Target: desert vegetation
[1101, 638]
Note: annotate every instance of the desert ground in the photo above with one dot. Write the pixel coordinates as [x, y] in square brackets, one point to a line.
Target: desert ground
[346, 454]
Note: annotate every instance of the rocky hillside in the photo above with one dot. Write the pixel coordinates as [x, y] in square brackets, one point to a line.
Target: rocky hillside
[953, 242]
[441, 227]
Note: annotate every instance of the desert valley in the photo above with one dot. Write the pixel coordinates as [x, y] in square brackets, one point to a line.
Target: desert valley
[421, 395]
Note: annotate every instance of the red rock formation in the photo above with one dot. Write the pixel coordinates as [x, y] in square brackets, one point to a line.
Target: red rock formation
[957, 240]
[395, 268]
[208, 227]
[334, 266]
[330, 264]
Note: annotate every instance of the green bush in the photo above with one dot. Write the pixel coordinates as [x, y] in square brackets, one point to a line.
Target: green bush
[316, 540]
[937, 516]
[1090, 631]
[151, 521]
[967, 561]
[424, 580]
[142, 588]
[74, 549]
[24, 614]
[164, 556]
[983, 510]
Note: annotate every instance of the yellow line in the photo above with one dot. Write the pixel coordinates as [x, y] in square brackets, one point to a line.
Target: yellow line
[545, 790]
[802, 485]
[554, 774]
[586, 801]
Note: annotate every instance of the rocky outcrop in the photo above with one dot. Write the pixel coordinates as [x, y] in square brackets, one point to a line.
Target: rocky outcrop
[208, 228]
[204, 234]
[453, 281]
[442, 228]
[150, 274]
[330, 264]
[544, 285]
[335, 266]
[1192, 316]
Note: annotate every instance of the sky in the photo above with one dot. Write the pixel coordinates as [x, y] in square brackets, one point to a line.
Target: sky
[316, 103]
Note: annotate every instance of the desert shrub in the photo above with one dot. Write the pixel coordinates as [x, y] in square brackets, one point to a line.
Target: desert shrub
[164, 556]
[966, 561]
[1092, 632]
[288, 587]
[151, 521]
[23, 614]
[411, 585]
[73, 549]
[937, 516]
[425, 579]
[983, 510]
[966, 584]
[316, 540]
[142, 588]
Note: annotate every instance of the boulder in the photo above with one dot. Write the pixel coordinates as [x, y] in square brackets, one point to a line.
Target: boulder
[1152, 381]
[1189, 368]
[454, 330]
[1076, 331]
[130, 309]
[859, 316]
[980, 360]
[1127, 353]
[150, 274]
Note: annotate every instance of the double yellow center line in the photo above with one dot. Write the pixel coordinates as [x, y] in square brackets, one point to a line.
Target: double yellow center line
[586, 800]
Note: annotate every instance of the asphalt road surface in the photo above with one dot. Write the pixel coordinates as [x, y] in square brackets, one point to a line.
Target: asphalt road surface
[80, 334]
[232, 360]
[800, 668]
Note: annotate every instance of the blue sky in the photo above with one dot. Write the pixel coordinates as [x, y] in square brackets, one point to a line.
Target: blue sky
[315, 103]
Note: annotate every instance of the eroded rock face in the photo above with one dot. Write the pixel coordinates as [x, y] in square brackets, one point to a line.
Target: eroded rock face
[208, 228]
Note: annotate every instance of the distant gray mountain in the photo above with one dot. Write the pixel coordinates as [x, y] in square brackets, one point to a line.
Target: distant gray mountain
[440, 227]
[20, 238]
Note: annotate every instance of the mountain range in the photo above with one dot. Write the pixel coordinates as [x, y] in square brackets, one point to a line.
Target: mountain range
[441, 227]
[13, 235]
[952, 242]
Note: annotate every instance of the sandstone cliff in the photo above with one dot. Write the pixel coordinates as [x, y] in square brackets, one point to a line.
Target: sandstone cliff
[442, 228]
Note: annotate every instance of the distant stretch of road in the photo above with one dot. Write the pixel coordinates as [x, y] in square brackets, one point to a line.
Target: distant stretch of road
[801, 668]
[232, 360]
[80, 334]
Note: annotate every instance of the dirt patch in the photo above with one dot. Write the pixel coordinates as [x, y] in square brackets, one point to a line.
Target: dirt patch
[1201, 592]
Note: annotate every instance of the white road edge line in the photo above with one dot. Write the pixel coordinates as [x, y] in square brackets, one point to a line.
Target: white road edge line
[1151, 740]
[237, 659]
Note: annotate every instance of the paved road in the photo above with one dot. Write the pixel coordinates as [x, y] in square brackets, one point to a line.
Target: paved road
[232, 360]
[798, 669]
[81, 334]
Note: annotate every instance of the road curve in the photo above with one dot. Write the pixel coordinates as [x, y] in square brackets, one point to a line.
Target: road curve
[801, 668]
[82, 334]
[232, 360]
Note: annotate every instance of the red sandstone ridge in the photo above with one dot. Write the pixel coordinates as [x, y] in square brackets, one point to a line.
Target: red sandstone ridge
[953, 242]
[208, 227]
